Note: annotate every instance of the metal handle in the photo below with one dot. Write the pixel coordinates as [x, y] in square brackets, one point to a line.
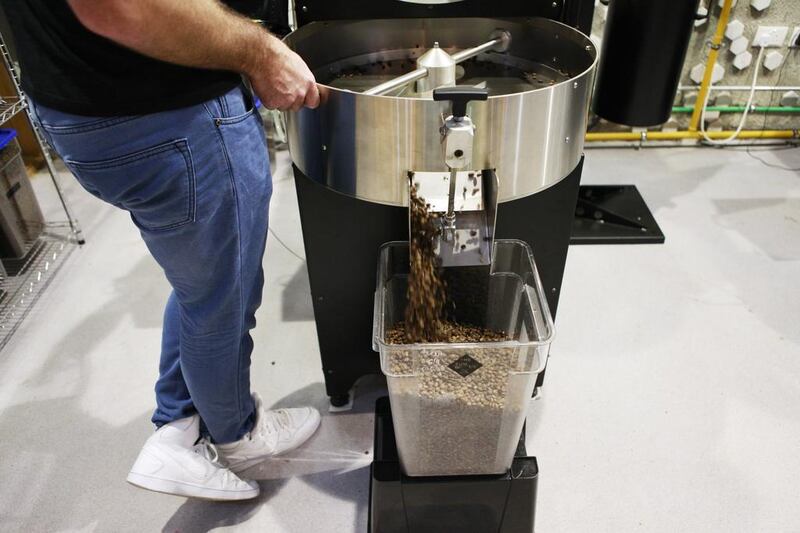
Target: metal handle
[460, 97]
[396, 83]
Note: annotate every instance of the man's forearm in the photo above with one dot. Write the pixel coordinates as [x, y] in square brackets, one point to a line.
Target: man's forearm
[205, 34]
[196, 33]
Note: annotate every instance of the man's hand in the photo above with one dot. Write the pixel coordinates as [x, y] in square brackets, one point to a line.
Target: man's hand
[205, 34]
[282, 79]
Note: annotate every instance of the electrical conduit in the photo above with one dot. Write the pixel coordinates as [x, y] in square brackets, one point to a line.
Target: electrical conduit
[716, 42]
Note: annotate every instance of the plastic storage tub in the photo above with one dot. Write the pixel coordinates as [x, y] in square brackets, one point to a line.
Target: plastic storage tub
[21, 220]
[458, 409]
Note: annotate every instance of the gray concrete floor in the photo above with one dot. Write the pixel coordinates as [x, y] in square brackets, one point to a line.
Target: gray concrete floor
[672, 401]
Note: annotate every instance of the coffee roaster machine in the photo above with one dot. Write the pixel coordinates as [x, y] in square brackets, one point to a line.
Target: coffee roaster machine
[483, 105]
[352, 156]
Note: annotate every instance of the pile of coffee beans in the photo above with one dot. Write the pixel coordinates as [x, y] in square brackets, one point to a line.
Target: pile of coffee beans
[449, 332]
[457, 411]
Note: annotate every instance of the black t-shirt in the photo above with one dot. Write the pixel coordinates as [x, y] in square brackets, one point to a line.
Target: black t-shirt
[71, 69]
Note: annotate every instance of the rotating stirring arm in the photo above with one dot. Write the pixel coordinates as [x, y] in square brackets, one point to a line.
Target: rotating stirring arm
[500, 41]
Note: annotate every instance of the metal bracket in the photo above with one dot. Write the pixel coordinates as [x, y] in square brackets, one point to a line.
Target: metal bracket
[613, 214]
[476, 204]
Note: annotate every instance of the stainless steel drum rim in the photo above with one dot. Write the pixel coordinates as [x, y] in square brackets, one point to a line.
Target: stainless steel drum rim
[364, 146]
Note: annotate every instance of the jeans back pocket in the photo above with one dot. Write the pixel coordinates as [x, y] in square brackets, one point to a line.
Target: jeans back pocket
[156, 185]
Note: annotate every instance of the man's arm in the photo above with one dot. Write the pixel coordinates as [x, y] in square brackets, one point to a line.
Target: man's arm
[205, 34]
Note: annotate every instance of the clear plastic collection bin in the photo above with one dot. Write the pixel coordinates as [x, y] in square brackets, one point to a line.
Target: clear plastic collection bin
[458, 409]
[21, 219]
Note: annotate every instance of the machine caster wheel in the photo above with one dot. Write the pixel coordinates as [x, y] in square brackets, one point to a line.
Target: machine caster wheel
[340, 400]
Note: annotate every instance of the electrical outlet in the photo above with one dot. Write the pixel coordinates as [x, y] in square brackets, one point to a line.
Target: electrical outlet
[794, 42]
[770, 36]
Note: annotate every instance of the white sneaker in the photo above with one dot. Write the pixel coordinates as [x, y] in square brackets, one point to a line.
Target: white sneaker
[274, 432]
[170, 462]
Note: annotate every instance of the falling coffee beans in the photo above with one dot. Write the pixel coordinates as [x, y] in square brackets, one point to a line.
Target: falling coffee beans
[426, 290]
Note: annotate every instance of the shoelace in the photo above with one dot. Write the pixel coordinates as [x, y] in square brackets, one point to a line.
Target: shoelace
[206, 449]
[270, 423]
[274, 421]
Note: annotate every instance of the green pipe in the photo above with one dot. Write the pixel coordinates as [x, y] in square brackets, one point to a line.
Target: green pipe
[739, 109]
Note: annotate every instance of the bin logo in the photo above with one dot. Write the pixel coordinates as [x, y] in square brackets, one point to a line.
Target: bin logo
[464, 365]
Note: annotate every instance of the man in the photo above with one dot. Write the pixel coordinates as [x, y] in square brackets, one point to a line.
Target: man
[143, 100]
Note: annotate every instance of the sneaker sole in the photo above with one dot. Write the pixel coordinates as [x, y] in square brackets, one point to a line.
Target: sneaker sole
[176, 488]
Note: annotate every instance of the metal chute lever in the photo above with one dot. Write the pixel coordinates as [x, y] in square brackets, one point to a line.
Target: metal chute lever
[458, 133]
[460, 96]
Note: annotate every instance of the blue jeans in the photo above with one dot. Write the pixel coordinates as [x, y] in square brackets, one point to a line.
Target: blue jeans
[196, 182]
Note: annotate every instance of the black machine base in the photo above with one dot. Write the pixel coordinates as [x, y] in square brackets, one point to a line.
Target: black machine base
[460, 504]
[613, 214]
